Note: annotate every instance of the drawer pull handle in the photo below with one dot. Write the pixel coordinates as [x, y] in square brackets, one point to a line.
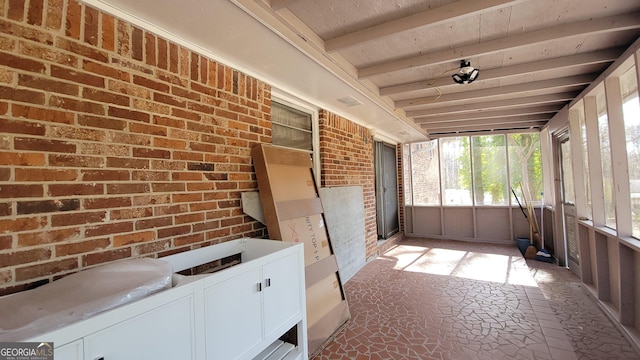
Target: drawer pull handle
[267, 282]
[259, 286]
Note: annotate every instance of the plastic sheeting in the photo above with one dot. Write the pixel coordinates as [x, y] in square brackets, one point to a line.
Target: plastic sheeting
[78, 296]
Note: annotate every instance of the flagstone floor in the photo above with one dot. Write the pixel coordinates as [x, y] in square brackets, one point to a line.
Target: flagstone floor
[434, 299]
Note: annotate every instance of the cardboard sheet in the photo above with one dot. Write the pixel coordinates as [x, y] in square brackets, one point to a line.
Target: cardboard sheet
[293, 212]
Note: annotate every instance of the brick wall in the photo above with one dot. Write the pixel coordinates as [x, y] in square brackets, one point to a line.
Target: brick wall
[116, 143]
[347, 159]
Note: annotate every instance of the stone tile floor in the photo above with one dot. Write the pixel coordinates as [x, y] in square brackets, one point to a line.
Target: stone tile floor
[434, 299]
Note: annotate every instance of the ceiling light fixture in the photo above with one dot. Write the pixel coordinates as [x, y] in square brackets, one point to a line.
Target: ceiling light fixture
[467, 74]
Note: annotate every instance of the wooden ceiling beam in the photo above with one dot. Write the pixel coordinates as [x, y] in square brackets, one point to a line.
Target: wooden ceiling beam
[504, 91]
[479, 115]
[581, 28]
[453, 11]
[564, 62]
[493, 105]
[486, 127]
[504, 120]
[279, 4]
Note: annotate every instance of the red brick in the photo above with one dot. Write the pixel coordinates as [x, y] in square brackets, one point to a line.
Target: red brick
[47, 206]
[21, 191]
[21, 95]
[123, 38]
[195, 64]
[189, 239]
[137, 40]
[151, 84]
[106, 203]
[5, 174]
[189, 218]
[169, 143]
[20, 127]
[44, 145]
[24, 257]
[37, 113]
[150, 175]
[75, 189]
[106, 70]
[82, 247]
[105, 97]
[108, 32]
[204, 69]
[105, 175]
[127, 239]
[101, 122]
[6, 242]
[130, 213]
[156, 222]
[207, 225]
[46, 269]
[129, 114]
[83, 50]
[76, 218]
[151, 247]
[35, 12]
[22, 159]
[186, 198]
[47, 237]
[109, 228]
[150, 49]
[185, 62]
[26, 174]
[147, 129]
[107, 256]
[77, 105]
[25, 32]
[75, 161]
[127, 163]
[163, 60]
[174, 58]
[129, 188]
[74, 19]
[54, 14]
[77, 76]
[151, 153]
[173, 231]
[22, 224]
[91, 25]
[16, 10]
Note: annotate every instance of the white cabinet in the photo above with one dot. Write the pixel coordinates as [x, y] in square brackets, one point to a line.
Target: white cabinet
[264, 305]
[165, 332]
[236, 313]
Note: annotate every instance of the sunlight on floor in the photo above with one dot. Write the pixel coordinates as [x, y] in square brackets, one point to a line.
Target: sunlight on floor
[503, 269]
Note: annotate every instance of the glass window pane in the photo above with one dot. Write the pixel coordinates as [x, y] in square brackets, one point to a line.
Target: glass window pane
[579, 108]
[290, 117]
[631, 111]
[489, 170]
[568, 190]
[456, 171]
[607, 170]
[291, 128]
[426, 177]
[525, 166]
[293, 138]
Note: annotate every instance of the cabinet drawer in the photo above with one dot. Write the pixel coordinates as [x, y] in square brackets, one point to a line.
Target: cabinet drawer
[165, 332]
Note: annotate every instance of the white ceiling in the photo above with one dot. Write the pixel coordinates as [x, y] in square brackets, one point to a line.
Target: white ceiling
[396, 57]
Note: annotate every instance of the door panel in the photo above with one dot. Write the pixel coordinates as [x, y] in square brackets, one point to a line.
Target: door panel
[568, 206]
[386, 190]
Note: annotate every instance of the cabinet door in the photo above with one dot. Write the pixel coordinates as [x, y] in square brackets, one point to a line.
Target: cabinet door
[233, 316]
[282, 295]
[165, 332]
[71, 351]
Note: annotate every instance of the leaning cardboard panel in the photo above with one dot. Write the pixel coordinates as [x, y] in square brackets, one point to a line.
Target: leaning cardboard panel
[293, 212]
